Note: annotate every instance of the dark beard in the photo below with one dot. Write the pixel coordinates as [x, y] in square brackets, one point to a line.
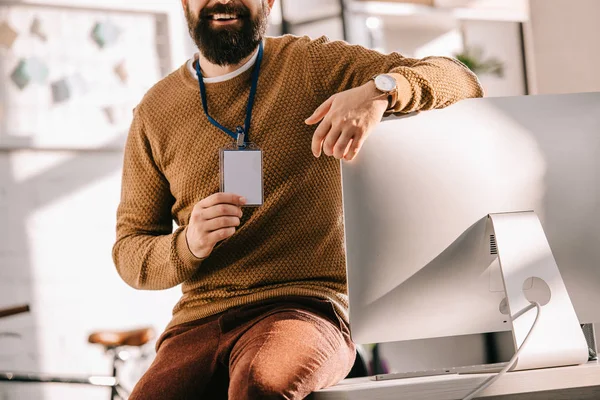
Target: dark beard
[227, 45]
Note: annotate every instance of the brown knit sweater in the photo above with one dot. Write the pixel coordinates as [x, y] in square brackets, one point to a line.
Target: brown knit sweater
[294, 243]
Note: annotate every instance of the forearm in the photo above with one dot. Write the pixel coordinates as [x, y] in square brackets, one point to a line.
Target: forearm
[424, 84]
[433, 82]
[151, 262]
[147, 254]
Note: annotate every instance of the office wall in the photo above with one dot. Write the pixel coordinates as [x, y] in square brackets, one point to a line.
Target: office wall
[563, 46]
[56, 232]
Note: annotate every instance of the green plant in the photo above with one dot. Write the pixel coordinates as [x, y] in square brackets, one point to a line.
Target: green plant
[473, 58]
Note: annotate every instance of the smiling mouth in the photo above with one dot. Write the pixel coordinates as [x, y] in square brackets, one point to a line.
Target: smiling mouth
[224, 17]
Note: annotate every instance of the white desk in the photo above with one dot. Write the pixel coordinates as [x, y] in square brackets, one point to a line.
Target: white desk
[567, 383]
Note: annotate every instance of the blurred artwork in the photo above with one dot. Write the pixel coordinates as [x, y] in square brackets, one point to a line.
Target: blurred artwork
[30, 70]
[61, 91]
[105, 34]
[68, 88]
[109, 112]
[121, 71]
[37, 29]
[78, 71]
[19, 76]
[78, 85]
[7, 35]
[116, 115]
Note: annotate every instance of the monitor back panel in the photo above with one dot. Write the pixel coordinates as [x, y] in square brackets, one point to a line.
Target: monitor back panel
[416, 200]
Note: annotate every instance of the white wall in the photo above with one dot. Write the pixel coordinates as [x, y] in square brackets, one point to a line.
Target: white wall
[564, 49]
[418, 36]
[57, 230]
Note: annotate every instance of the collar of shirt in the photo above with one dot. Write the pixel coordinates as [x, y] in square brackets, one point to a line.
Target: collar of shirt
[222, 78]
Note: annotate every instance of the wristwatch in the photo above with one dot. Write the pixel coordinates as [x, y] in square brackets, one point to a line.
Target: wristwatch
[386, 84]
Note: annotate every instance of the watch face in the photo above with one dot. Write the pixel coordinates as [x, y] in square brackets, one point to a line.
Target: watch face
[385, 83]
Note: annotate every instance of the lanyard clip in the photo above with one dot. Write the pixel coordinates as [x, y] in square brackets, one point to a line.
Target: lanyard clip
[241, 137]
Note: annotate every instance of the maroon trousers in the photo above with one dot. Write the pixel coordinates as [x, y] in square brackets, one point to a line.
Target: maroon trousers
[284, 348]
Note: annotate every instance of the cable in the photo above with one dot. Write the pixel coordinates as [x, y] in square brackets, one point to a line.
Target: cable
[490, 381]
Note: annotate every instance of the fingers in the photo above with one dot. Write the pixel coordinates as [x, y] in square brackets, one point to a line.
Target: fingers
[220, 235]
[348, 148]
[320, 112]
[319, 136]
[338, 144]
[340, 148]
[331, 140]
[212, 220]
[202, 215]
[355, 147]
[222, 198]
[216, 224]
[221, 210]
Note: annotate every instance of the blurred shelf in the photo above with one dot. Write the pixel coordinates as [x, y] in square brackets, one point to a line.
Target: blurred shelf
[405, 10]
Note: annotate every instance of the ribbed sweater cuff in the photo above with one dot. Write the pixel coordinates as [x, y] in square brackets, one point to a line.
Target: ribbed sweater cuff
[184, 253]
[405, 92]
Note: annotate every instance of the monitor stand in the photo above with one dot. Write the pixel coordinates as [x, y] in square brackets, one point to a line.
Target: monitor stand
[524, 253]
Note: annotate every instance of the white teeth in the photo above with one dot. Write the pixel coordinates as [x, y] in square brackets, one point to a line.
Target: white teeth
[224, 16]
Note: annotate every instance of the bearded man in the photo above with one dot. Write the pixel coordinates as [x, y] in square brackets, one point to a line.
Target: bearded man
[264, 309]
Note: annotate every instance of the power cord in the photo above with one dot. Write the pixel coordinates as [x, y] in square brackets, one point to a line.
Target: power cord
[491, 380]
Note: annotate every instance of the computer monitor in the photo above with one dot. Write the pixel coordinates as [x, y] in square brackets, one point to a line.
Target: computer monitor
[417, 197]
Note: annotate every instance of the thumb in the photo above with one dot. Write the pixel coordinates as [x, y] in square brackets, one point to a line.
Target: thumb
[320, 112]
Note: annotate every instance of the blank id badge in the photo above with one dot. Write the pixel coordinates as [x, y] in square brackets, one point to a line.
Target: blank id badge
[242, 172]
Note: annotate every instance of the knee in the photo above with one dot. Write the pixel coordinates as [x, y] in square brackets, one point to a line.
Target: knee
[144, 389]
[258, 381]
[164, 387]
[268, 384]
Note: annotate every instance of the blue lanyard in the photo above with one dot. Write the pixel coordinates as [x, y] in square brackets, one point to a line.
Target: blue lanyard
[242, 133]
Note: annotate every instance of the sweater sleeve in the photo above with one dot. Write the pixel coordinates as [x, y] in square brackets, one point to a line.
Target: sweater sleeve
[147, 253]
[423, 84]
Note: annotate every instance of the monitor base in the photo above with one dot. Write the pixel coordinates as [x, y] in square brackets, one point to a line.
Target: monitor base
[524, 253]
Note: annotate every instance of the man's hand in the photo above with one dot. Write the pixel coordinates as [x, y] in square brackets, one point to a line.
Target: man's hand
[213, 219]
[346, 119]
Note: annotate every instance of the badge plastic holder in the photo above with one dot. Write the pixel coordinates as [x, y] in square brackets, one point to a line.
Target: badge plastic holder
[241, 172]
